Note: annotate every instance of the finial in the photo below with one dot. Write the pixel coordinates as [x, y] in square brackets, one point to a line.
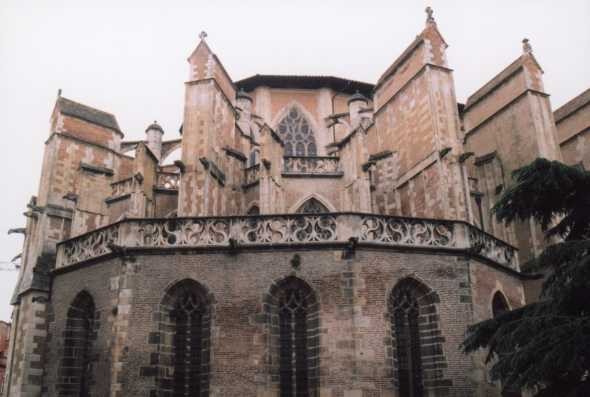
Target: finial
[202, 35]
[526, 46]
[59, 92]
[429, 17]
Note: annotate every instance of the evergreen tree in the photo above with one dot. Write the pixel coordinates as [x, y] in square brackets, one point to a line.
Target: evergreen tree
[545, 346]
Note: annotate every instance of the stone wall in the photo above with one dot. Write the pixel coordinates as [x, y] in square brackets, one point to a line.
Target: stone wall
[573, 130]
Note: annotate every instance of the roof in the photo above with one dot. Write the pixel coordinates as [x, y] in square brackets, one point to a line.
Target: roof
[86, 113]
[401, 59]
[573, 105]
[306, 82]
[494, 82]
[499, 79]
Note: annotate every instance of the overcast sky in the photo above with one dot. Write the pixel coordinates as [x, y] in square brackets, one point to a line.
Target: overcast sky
[129, 58]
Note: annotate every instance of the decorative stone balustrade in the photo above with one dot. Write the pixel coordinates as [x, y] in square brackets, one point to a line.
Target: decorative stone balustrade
[251, 175]
[123, 187]
[279, 230]
[312, 166]
[490, 247]
[168, 180]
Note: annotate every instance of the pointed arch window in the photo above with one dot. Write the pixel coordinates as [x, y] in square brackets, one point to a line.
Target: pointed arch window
[79, 335]
[254, 157]
[293, 303]
[499, 304]
[184, 341]
[297, 134]
[254, 210]
[312, 206]
[412, 311]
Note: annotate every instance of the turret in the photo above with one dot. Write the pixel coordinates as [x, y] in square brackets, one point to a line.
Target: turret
[154, 134]
[356, 104]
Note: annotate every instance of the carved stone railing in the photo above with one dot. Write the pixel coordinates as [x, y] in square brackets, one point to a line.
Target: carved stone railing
[321, 166]
[291, 229]
[123, 187]
[492, 248]
[168, 180]
[251, 175]
[88, 246]
[407, 231]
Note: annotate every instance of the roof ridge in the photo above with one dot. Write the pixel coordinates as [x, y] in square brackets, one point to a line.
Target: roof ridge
[87, 106]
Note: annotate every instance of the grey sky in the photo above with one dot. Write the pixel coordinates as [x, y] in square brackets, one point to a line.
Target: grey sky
[129, 58]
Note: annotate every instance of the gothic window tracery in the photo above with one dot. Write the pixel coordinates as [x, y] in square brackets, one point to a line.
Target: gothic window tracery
[293, 354]
[76, 363]
[407, 334]
[297, 134]
[412, 312]
[293, 303]
[312, 206]
[184, 353]
[187, 321]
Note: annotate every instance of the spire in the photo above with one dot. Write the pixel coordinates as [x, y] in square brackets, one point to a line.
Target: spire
[429, 18]
[203, 35]
[526, 46]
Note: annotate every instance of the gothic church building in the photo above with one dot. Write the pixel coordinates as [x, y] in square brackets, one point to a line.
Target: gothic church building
[317, 237]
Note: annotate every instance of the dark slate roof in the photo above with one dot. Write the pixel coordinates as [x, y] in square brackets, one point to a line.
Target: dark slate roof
[306, 82]
[573, 105]
[86, 113]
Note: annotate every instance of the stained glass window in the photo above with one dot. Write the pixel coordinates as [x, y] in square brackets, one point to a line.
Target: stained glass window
[297, 134]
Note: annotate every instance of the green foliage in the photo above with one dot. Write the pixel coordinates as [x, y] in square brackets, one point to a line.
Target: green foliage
[545, 346]
[547, 191]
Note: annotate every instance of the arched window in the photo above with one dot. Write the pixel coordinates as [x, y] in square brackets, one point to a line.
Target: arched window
[297, 134]
[183, 340]
[412, 311]
[254, 210]
[312, 206]
[254, 157]
[294, 308]
[499, 304]
[76, 362]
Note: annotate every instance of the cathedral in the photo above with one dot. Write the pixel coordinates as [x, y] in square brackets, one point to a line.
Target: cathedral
[317, 236]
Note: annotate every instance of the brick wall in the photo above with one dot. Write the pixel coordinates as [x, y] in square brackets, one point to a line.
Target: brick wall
[354, 329]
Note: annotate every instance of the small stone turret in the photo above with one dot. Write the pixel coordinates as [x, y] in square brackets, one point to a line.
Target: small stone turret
[154, 138]
[244, 102]
[356, 104]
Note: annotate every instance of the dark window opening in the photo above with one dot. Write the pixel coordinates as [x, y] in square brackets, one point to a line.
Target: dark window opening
[183, 341]
[187, 322]
[76, 363]
[312, 206]
[407, 335]
[293, 340]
